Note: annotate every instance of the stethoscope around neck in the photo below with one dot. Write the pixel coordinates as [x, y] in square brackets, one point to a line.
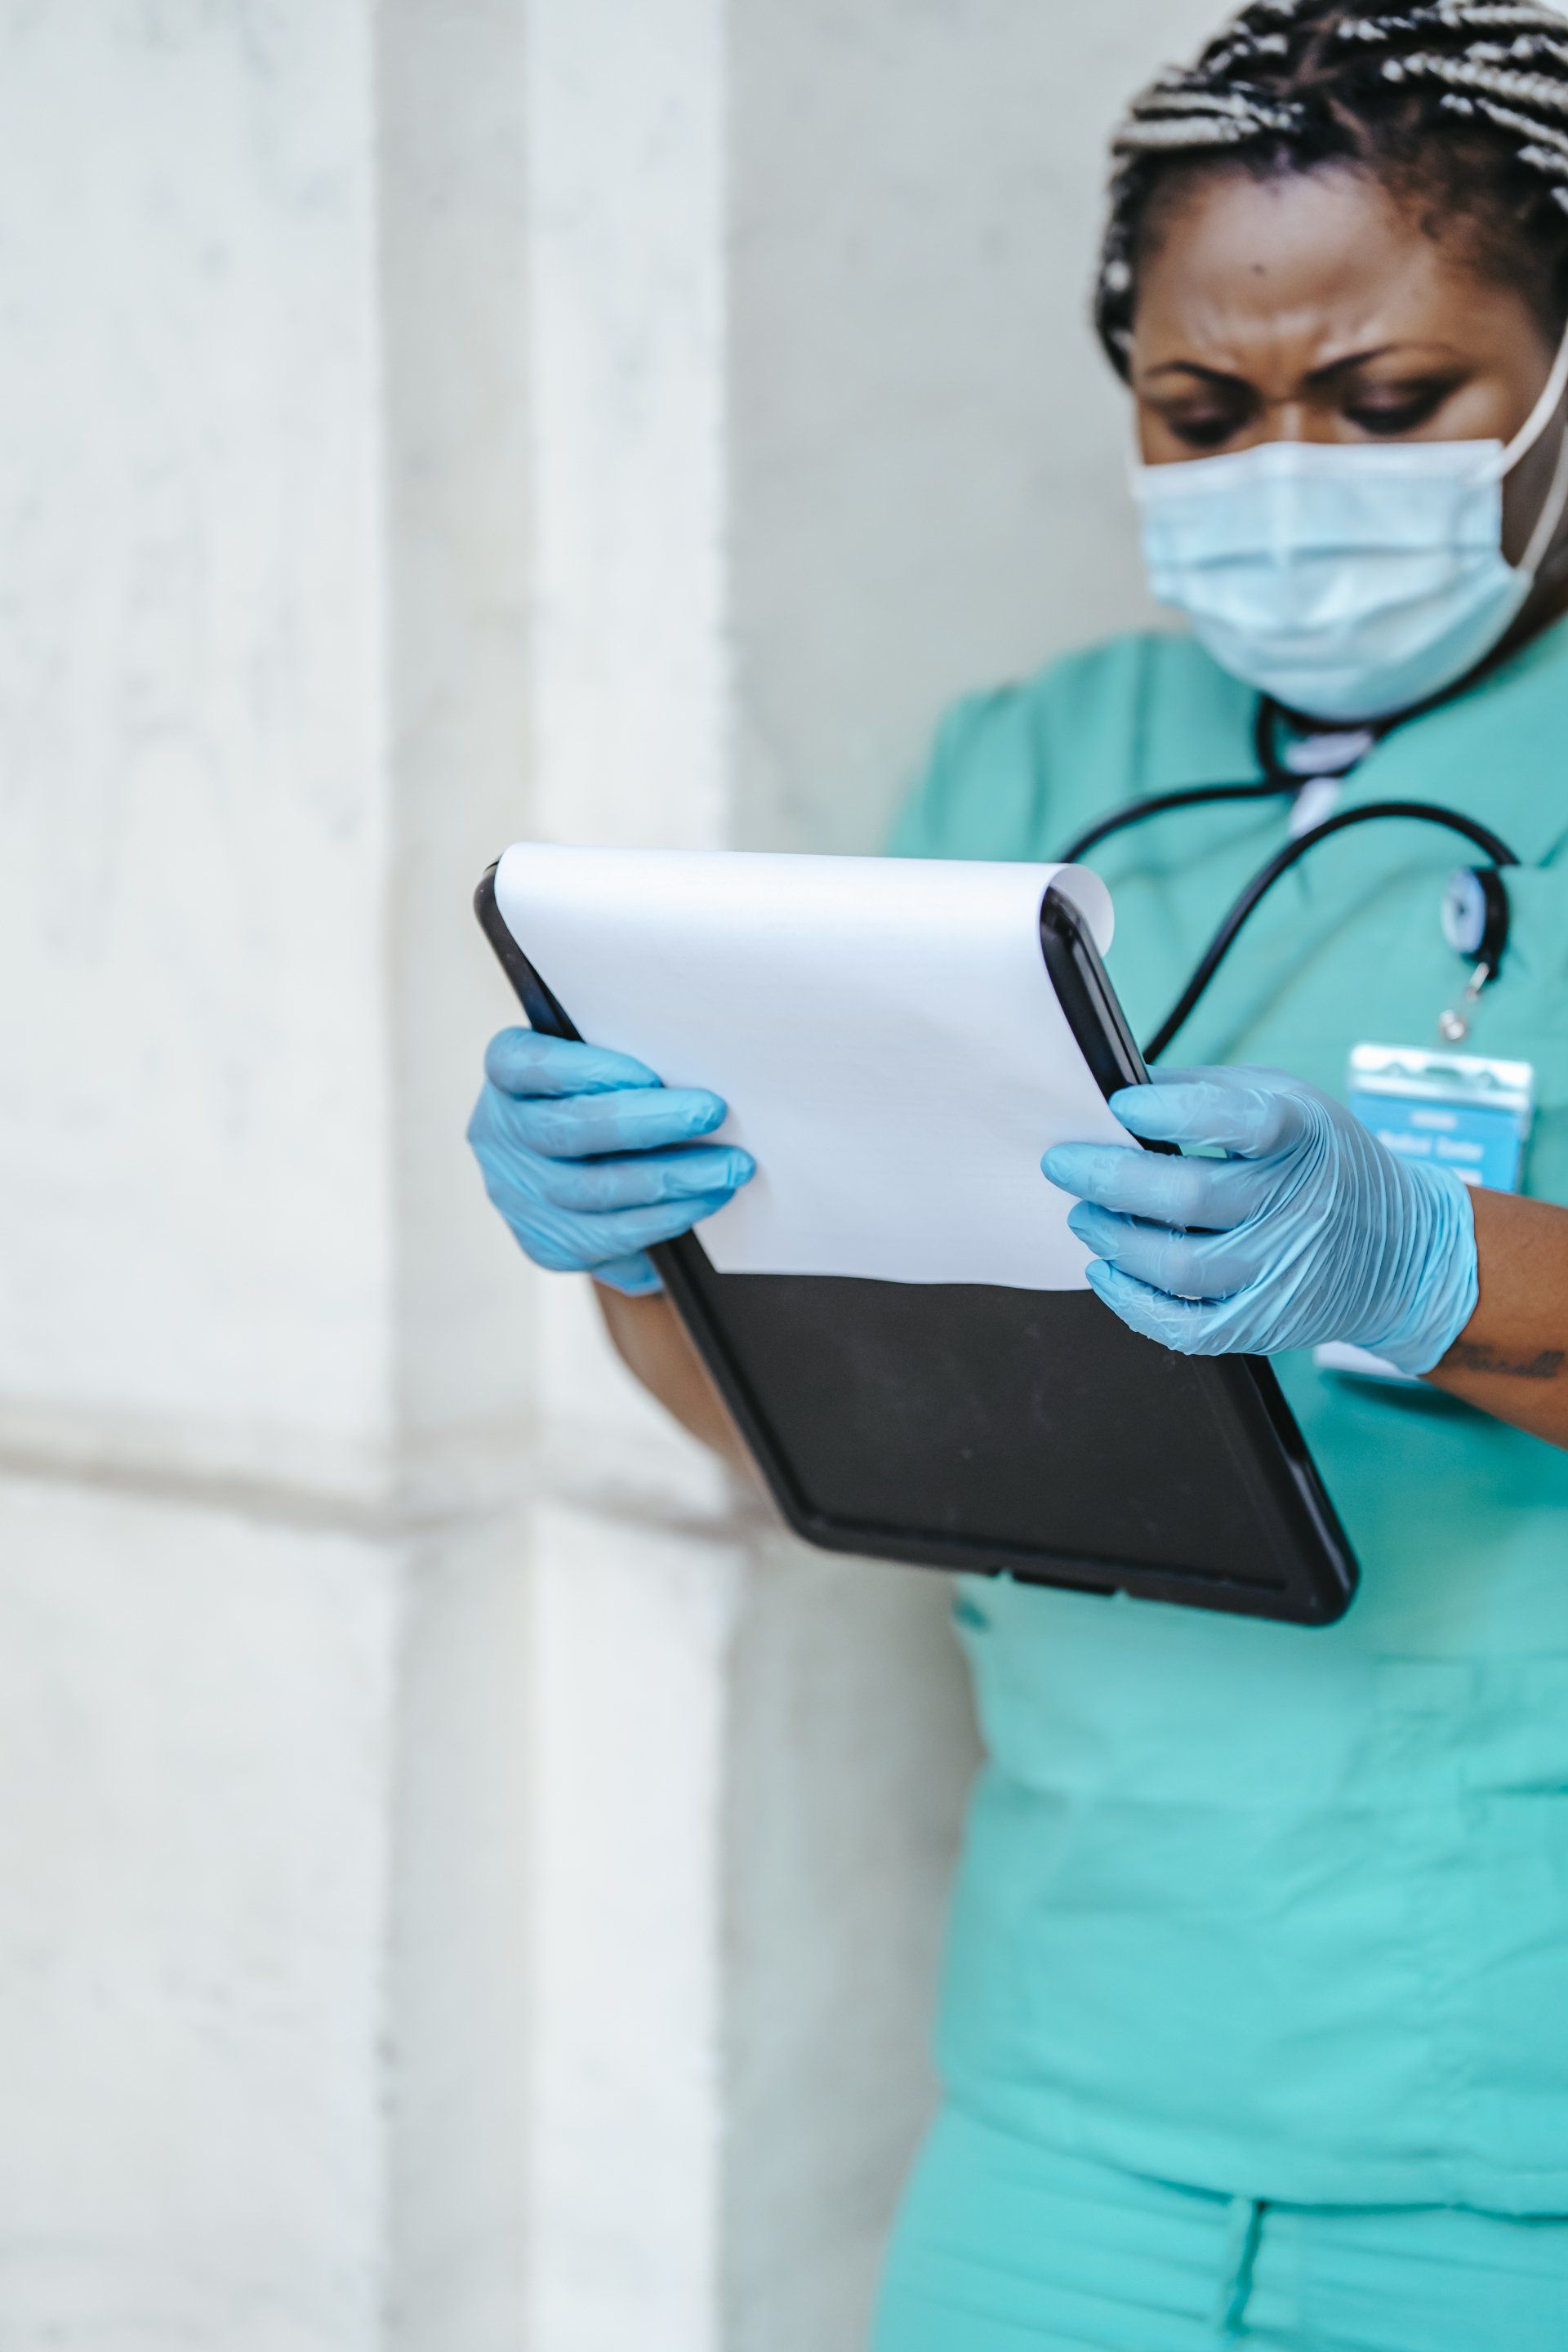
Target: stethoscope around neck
[1475, 909]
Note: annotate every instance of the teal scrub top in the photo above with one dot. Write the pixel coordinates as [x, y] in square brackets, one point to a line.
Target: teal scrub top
[1278, 1912]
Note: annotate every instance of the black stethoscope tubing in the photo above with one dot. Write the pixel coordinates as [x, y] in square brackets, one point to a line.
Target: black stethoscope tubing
[1275, 781]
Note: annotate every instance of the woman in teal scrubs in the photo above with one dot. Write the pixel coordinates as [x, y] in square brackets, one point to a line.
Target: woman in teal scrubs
[1254, 2022]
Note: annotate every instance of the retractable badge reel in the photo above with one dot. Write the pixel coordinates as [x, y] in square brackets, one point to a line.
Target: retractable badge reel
[1469, 1112]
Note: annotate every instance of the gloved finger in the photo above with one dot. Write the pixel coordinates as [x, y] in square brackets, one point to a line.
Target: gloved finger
[1182, 1325]
[1258, 1074]
[567, 1242]
[1217, 1109]
[1186, 1266]
[630, 1230]
[528, 1062]
[642, 1178]
[1214, 1193]
[583, 1127]
[634, 1277]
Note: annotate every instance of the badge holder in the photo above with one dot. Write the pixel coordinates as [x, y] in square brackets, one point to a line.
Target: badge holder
[1467, 1112]
[1463, 1111]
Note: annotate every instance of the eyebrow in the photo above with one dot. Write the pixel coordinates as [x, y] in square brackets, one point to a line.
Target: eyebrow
[1315, 376]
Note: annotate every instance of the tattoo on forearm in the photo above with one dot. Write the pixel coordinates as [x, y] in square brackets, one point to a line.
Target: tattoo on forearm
[1468, 1356]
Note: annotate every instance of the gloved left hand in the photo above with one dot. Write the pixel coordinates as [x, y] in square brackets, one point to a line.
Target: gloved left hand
[1308, 1229]
[591, 1161]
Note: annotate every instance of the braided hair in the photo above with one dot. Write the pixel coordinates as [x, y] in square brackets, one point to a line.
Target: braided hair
[1461, 103]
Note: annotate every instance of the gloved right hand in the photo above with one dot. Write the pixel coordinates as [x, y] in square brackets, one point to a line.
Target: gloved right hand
[590, 1159]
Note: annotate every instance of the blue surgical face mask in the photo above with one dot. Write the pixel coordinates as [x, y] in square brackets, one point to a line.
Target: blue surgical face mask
[1348, 582]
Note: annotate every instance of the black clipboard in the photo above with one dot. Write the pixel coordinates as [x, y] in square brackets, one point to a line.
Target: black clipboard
[1003, 1432]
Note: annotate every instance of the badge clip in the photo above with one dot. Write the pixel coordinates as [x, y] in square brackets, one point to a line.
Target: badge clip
[1454, 1025]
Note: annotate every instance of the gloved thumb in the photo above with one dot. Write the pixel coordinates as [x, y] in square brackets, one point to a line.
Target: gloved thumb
[1215, 1108]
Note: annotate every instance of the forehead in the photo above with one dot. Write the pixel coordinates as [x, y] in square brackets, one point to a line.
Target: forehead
[1236, 271]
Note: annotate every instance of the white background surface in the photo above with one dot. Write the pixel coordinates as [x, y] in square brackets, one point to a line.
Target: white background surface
[447, 1846]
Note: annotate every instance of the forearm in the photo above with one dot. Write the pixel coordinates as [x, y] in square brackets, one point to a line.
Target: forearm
[651, 1341]
[1512, 1359]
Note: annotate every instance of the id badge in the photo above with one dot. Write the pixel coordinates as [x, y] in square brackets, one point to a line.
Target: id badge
[1463, 1111]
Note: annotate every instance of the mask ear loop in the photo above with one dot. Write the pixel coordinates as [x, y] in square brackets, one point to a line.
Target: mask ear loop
[1541, 416]
[1523, 442]
[1545, 531]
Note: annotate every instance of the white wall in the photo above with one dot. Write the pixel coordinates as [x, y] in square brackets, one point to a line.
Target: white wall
[194, 1757]
[931, 445]
[449, 87]
[190, 570]
[447, 1840]
[197, 1619]
[264, 1383]
[821, 438]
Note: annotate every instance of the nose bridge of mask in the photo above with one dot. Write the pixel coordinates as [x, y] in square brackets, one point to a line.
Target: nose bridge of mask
[1287, 503]
[1289, 511]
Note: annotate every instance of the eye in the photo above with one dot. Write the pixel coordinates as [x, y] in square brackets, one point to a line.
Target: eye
[1391, 414]
[1205, 420]
[1202, 409]
[1207, 431]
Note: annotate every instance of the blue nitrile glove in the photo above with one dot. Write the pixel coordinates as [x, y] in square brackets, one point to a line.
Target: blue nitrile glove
[1307, 1230]
[590, 1159]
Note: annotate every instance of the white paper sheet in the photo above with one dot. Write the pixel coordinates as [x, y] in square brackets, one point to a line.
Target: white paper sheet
[882, 1029]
